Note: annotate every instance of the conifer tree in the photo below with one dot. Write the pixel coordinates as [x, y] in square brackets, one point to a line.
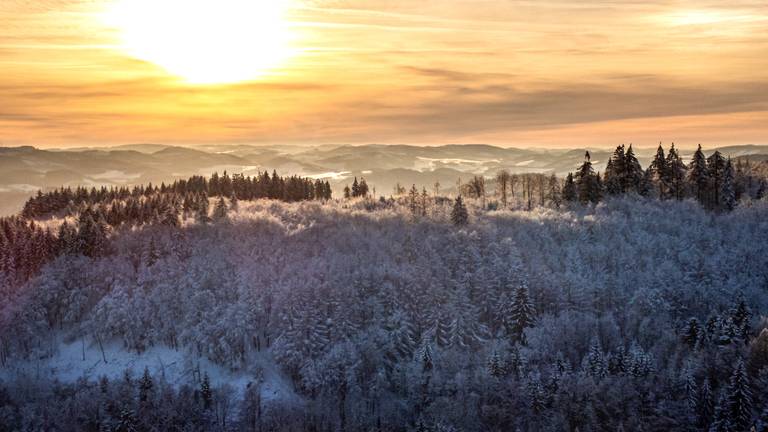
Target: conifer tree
[145, 386]
[201, 215]
[615, 172]
[716, 164]
[727, 194]
[698, 176]
[736, 409]
[634, 174]
[459, 214]
[519, 315]
[677, 174]
[596, 365]
[206, 393]
[413, 201]
[496, 367]
[705, 405]
[220, 210]
[692, 333]
[569, 189]
[587, 182]
[347, 192]
[660, 173]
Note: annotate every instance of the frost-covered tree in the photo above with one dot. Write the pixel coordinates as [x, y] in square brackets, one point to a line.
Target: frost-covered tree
[459, 214]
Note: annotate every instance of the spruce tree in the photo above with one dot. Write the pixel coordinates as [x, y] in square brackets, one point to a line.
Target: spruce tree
[716, 168]
[206, 393]
[220, 210]
[595, 364]
[615, 172]
[705, 405]
[727, 195]
[520, 315]
[660, 173]
[734, 411]
[692, 333]
[677, 174]
[587, 182]
[634, 174]
[459, 214]
[145, 386]
[698, 176]
[569, 189]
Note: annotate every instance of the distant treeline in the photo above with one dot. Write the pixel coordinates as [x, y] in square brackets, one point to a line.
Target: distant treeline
[717, 182]
[26, 245]
[237, 186]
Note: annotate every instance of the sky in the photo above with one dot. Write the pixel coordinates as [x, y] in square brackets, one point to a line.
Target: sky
[543, 73]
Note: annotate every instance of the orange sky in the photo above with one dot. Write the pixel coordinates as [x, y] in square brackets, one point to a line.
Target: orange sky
[518, 73]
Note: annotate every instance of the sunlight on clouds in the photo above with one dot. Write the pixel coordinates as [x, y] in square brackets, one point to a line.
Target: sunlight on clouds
[205, 41]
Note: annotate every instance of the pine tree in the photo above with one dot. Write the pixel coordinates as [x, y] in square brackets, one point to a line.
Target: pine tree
[519, 315]
[692, 333]
[595, 364]
[741, 317]
[716, 168]
[569, 189]
[677, 174]
[727, 195]
[634, 176]
[362, 189]
[459, 214]
[587, 182]
[413, 201]
[496, 367]
[347, 192]
[220, 210]
[698, 176]
[734, 412]
[705, 405]
[660, 173]
[201, 215]
[615, 172]
[145, 386]
[355, 188]
[206, 393]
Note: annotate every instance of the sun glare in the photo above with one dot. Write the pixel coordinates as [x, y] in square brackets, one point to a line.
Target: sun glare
[205, 41]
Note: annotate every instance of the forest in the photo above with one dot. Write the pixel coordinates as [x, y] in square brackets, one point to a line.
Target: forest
[629, 300]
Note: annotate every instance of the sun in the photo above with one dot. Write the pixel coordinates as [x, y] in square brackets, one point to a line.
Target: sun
[205, 41]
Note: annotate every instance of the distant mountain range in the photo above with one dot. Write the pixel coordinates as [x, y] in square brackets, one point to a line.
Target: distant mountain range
[24, 170]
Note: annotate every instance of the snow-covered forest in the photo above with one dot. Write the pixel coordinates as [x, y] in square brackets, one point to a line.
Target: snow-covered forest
[630, 300]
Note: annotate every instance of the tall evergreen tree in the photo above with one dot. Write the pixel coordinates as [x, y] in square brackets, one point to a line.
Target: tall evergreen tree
[569, 189]
[459, 214]
[727, 194]
[716, 164]
[587, 182]
[220, 210]
[677, 174]
[734, 411]
[660, 173]
[698, 176]
[634, 174]
[615, 172]
[519, 315]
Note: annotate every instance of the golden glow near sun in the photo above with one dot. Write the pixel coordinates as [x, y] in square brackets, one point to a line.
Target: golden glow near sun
[204, 41]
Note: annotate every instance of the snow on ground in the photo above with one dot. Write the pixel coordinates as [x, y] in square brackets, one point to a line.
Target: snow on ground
[75, 360]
